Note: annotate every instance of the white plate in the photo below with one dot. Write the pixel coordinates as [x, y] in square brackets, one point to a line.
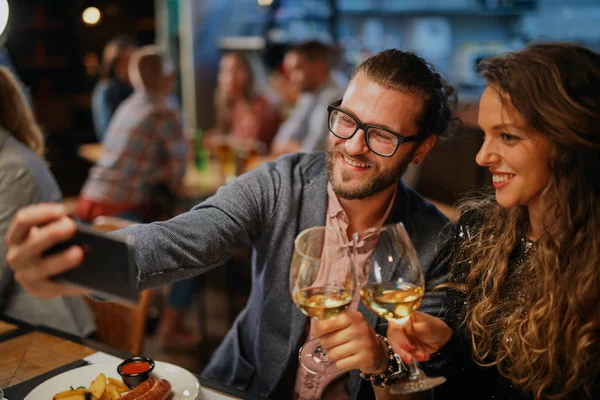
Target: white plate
[184, 383]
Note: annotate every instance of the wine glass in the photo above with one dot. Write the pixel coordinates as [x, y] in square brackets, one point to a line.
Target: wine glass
[322, 282]
[392, 286]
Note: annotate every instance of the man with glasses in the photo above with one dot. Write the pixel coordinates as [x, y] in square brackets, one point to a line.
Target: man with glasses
[393, 109]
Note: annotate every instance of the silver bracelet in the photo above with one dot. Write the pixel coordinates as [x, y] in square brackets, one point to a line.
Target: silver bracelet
[396, 368]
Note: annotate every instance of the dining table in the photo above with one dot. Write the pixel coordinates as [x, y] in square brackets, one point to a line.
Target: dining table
[198, 184]
[31, 355]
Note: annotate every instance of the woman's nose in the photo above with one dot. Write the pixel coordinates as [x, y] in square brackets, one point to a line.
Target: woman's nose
[487, 154]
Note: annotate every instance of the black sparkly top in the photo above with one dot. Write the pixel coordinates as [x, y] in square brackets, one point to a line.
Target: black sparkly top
[465, 378]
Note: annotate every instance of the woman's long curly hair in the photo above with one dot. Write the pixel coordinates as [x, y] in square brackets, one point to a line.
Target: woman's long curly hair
[545, 341]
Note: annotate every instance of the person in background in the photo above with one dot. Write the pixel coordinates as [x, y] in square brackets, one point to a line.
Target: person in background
[114, 85]
[145, 152]
[525, 280]
[242, 114]
[308, 69]
[144, 148]
[24, 180]
[355, 185]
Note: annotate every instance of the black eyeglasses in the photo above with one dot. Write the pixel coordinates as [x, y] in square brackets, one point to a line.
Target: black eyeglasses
[380, 141]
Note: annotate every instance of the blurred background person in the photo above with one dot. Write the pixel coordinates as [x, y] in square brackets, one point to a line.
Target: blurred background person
[242, 113]
[145, 156]
[144, 149]
[114, 85]
[24, 180]
[307, 66]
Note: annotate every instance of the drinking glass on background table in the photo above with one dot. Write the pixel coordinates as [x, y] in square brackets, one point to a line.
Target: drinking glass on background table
[235, 154]
[392, 286]
[322, 282]
[225, 153]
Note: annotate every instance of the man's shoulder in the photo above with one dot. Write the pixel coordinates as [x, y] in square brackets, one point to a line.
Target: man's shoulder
[297, 167]
[308, 163]
[420, 211]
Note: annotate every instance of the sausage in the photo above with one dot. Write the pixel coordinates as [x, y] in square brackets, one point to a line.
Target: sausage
[140, 389]
[160, 391]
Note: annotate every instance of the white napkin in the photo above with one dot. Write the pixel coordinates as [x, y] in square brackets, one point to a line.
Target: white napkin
[100, 357]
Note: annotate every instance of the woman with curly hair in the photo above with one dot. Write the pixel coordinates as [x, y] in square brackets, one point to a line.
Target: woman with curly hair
[525, 282]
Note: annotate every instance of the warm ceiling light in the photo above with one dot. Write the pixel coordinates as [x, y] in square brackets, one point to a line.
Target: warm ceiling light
[91, 16]
[3, 15]
[265, 2]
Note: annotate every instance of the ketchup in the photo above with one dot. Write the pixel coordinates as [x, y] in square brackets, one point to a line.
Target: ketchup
[135, 367]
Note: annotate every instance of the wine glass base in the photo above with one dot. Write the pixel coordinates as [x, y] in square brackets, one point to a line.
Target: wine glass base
[313, 359]
[417, 385]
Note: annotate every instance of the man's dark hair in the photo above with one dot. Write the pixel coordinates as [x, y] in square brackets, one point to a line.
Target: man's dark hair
[405, 71]
[312, 50]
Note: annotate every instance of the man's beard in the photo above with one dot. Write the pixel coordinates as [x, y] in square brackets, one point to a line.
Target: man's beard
[371, 187]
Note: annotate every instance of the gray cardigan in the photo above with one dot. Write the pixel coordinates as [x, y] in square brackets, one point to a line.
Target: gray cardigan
[26, 180]
[266, 209]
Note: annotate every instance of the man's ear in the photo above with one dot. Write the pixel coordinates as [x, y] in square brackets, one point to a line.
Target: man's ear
[423, 149]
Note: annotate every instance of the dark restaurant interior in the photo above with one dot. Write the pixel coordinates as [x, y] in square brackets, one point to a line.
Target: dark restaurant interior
[55, 49]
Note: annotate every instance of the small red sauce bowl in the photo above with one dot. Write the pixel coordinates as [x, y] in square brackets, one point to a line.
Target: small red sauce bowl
[135, 370]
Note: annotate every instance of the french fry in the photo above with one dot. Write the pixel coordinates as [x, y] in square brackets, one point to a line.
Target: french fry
[82, 396]
[121, 387]
[105, 395]
[112, 392]
[97, 387]
[68, 393]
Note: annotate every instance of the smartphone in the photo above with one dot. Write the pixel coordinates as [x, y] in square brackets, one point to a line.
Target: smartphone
[107, 270]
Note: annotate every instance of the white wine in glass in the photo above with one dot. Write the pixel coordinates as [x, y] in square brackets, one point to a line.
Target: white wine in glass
[392, 286]
[322, 282]
[392, 301]
[322, 302]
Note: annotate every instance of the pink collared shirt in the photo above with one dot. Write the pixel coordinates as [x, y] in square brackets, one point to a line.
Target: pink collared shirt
[310, 386]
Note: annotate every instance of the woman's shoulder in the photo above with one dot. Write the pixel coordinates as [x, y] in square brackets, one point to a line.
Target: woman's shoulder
[25, 173]
[469, 223]
[474, 214]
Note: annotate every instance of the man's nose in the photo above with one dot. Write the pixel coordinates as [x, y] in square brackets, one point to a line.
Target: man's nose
[357, 144]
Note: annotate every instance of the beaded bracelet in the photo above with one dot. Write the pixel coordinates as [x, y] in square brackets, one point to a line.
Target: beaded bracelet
[395, 369]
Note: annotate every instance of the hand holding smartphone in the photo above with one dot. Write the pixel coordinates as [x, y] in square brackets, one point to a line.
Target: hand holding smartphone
[108, 269]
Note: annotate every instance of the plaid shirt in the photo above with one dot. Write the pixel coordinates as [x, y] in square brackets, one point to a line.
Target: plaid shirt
[144, 147]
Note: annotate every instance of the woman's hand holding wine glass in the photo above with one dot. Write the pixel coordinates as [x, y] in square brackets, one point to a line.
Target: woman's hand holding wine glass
[421, 336]
[392, 285]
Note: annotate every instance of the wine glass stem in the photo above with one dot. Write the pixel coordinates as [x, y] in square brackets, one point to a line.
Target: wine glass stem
[414, 372]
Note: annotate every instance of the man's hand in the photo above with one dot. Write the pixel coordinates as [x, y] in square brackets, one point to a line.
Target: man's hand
[351, 343]
[34, 230]
[421, 336]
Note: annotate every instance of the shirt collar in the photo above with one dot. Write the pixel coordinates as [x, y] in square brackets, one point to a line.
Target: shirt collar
[335, 209]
